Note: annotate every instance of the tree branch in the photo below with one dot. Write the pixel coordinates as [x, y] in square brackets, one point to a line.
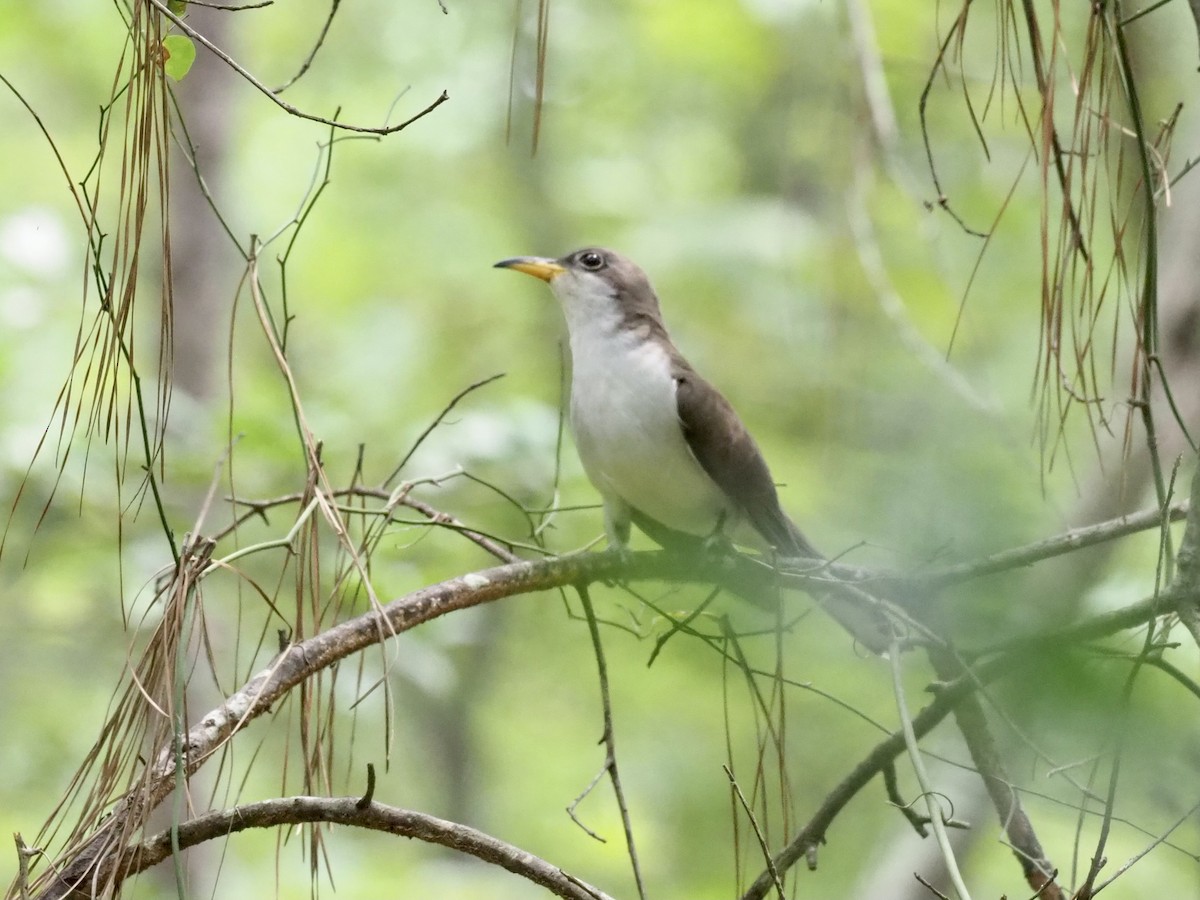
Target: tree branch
[372, 816]
[1039, 872]
[1068, 541]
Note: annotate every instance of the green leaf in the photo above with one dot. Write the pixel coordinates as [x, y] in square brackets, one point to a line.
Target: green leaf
[178, 55]
[179, 7]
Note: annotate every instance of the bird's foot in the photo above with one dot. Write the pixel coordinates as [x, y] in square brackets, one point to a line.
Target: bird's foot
[717, 546]
[622, 556]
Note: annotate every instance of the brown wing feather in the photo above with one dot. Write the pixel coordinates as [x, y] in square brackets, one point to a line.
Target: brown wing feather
[732, 459]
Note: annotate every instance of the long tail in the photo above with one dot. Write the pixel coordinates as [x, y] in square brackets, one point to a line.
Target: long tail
[849, 605]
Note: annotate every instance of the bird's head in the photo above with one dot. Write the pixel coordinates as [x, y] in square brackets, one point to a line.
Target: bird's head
[593, 284]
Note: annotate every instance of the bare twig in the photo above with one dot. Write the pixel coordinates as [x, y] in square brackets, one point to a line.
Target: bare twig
[915, 819]
[282, 104]
[937, 818]
[1183, 592]
[312, 54]
[943, 202]
[609, 738]
[454, 401]
[762, 841]
[393, 498]
[229, 7]
[924, 883]
[1120, 731]
[24, 854]
[308, 440]
[1158, 841]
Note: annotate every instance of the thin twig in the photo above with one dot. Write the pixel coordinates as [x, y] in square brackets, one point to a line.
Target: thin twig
[24, 854]
[937, 818]
[1137, 857]
[312, 54]
[228, 7]
[454, 401]
[282, 104]
[925, 883]
[393, 498]
[943, 202]
[762, 841]
[609, 738]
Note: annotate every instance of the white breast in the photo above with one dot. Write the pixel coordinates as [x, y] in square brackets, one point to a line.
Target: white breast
[627, 429]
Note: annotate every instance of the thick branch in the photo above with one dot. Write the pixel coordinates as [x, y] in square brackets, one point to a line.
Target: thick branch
[373, 816]
[300, 661]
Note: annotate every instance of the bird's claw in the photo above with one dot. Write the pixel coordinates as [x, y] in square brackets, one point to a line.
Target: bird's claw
[623, 557]
[717, 546]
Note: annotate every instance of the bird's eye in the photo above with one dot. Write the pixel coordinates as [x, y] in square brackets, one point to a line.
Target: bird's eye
[591, 260]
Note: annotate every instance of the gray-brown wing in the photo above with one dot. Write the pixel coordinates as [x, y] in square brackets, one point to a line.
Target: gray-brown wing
[730, 456]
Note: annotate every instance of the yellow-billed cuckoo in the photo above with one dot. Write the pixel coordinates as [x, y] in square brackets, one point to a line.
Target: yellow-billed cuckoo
[661, 445]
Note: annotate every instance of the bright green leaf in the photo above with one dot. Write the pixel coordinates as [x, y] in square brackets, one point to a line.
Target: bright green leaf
[179, 7]
[178, 55]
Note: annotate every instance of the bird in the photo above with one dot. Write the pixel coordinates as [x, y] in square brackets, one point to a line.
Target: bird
[661, 444]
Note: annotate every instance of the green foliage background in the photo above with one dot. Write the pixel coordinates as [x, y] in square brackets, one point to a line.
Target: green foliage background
[719, 144]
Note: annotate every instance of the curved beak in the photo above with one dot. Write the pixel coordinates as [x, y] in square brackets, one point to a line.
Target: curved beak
[537, 266]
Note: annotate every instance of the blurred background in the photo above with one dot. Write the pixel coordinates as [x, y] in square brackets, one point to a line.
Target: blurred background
[763, 161]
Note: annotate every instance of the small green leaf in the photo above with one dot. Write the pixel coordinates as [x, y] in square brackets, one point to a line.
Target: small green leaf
[178, 55]
[179, 7]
